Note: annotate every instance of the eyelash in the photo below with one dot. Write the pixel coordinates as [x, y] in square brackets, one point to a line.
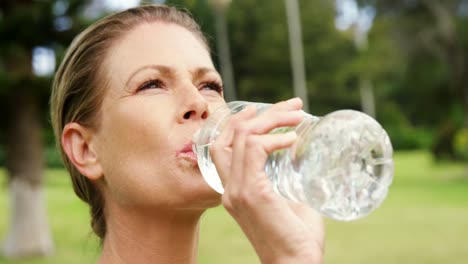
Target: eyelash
[211, 85]
[214, 85]
[147, 85]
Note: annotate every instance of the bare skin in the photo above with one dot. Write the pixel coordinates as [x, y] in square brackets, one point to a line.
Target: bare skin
[162, 86]
[280, 231]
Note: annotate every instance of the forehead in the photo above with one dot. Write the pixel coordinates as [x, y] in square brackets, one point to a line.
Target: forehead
[157, 43]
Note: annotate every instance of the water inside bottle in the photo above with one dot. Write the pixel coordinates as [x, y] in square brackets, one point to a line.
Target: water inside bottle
[341, 165]
[208, 168]
[342, 172]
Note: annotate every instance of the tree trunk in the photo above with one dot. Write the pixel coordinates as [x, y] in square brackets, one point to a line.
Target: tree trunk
[28, 233]
[297, 53]
[367, 96]
[224, 51]
[464, 92]
[465, 105]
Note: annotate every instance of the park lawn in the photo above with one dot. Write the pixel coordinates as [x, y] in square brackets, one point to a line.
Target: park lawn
[423, 220]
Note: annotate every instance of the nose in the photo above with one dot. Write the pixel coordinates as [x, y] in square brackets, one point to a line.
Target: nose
[194, 107]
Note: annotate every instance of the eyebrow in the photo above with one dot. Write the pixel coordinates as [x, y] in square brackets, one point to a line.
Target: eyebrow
[200, 72]
[170, 72]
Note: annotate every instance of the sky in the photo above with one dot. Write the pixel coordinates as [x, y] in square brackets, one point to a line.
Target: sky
[349, 14]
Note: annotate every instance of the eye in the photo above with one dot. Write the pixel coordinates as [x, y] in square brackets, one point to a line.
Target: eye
[214, 85]
[151, 84]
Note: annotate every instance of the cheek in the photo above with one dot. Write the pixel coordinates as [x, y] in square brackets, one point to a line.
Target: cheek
[215, 103]
[135, 137]
[135, 153]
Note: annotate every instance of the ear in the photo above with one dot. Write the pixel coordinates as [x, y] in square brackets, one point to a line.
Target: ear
[77, 144]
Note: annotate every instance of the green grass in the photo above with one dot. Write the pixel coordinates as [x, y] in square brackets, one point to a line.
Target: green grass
[68, 218]
[423, 220]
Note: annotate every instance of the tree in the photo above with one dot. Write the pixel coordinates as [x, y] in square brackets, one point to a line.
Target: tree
[220, 8]
[296, 50]
[432, 35]
[408, 60]
[24, 26]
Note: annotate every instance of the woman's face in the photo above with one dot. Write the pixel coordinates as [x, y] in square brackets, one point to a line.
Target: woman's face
[162, 86]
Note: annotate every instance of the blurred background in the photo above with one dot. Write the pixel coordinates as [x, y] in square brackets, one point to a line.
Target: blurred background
[405, 62]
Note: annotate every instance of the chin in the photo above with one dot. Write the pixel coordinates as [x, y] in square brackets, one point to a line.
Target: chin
[203, 197]
[193, 191]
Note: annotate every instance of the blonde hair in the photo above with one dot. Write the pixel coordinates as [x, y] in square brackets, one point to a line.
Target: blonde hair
[78, 88]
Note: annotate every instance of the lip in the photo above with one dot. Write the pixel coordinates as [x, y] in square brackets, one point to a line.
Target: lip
[186, 152]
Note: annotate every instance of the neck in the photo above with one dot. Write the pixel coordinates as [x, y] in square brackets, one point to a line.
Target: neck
[136, 236]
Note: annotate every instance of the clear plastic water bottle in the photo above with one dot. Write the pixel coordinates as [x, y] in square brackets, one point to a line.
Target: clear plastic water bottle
[341, 164]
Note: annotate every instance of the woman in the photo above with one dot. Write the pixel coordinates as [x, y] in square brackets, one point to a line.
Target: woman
[130, 93]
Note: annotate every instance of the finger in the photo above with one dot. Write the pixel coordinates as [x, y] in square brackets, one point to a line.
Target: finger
[249, 158]
[235, 180]
[278, 115]
[246, 122]
[268, 143]
[250, 111]
[257, 150]
[266, 122]
[288, 105]
[233, 122]
[221, 149]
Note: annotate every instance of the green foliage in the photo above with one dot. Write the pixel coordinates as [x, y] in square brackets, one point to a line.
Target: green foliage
[258, 35]
[53, 158]
[411, 60]
[407, 138]
[400, 130]
[2, 157]
[202, 12]
[461, 144]
[330, 57]
[28, 24]
[413, 84]
[23, 26]
[432, 39]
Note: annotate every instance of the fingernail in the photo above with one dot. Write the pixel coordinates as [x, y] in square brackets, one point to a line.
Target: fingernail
[294, 100]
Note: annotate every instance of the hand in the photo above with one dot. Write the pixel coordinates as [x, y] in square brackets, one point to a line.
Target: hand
[281, 231]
